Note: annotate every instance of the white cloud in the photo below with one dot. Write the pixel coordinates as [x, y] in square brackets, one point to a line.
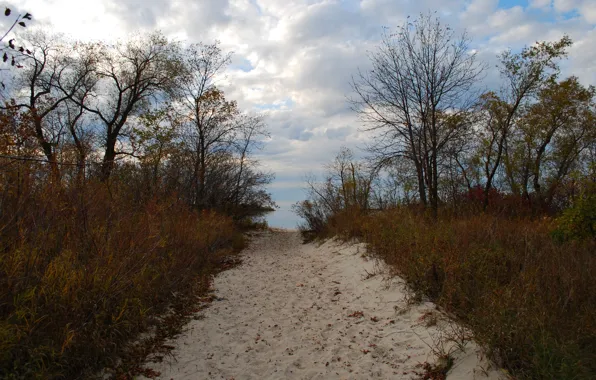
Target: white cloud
[293, 59]
[566, 5]
[480, 8]
[588, 11]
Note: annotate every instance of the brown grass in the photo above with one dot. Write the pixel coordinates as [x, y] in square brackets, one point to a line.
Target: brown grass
[528, 298]
[84, 269]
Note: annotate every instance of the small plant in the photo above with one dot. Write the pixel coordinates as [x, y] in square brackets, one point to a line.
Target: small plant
[444, 354]
[578, 221]
[436, 371]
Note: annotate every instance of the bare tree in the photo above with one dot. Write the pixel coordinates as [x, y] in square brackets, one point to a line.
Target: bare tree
[345, 186]
[133, 76]
[203, 63]
[211, 119]
[211, 128]
[415, 95]
[48, 81]
[252, 131]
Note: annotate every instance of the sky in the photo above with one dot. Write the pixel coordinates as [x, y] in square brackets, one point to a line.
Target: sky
[293, 59]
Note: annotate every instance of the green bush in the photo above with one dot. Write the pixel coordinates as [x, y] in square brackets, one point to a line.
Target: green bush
[578, 221]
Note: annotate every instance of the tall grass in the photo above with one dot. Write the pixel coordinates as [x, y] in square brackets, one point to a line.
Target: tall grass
[528, 298]
[85, 268]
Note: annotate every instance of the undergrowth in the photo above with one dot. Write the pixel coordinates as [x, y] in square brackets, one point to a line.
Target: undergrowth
[527, 296]
[84, 269]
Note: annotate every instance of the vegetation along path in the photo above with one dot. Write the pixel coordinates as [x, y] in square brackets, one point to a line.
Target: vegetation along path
[309, 311]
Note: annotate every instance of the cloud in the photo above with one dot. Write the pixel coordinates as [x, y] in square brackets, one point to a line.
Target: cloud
[566, 5]
[588, 11]
[293, 59]
[140, 13]
[339, 133]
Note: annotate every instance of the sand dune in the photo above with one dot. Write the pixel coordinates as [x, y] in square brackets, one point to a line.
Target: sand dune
[294, 311]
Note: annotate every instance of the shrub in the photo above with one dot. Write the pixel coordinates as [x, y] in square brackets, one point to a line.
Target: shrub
[527, 298]
[84, 269]
[578, 221]
[315, 217]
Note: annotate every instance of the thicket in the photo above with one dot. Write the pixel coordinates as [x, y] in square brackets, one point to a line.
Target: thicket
[482, 202]
[527, 297]
[522, 283]
[84, 270]
[126, 177]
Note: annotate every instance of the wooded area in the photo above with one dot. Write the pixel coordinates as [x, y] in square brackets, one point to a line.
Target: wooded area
[483, 201]
[146, 109]
[443, 143]
[126, 177]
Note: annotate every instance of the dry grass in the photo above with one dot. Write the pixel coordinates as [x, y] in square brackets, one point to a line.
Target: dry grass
[527, 297]
[85, 268]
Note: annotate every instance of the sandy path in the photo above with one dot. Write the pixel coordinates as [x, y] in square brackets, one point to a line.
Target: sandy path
[285, 314]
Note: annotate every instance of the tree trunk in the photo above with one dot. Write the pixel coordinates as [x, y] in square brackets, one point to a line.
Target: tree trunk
[108, 159]
[46, 146]
[421, 184]
[434, 191]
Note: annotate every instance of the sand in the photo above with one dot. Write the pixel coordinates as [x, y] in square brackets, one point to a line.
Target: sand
[294, 311]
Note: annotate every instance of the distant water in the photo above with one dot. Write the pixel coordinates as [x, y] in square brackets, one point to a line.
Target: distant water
[283, 218]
